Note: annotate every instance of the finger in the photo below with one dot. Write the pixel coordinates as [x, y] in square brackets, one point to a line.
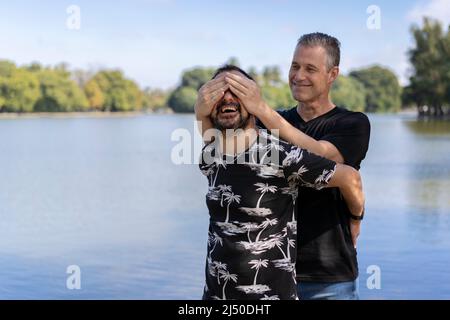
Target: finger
[217, 96]
[240, 79]
[237, 92]
[236, 85]
[220, 90]
[219, 78]
[218, 86]
[213, 82]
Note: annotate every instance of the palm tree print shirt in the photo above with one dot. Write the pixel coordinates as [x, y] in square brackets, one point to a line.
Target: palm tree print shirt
[252, 232]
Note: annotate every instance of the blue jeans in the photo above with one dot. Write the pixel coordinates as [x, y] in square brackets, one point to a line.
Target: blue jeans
[328, 290]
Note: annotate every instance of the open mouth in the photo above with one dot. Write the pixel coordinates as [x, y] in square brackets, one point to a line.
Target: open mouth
[228, 109]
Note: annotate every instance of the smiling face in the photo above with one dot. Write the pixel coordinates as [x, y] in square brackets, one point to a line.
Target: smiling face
[229, 113]
[310, 77]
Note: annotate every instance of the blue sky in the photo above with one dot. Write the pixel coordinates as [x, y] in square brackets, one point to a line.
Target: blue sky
[153, 41]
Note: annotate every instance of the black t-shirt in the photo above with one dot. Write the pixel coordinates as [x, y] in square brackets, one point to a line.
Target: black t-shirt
[252, 230]
[325, 249]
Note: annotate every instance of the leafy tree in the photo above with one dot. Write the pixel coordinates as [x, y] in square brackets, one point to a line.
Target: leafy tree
[382, 88]
[271, 75]
[253, 73]
[19, 90]
[6, 68]
[430, 58]
[120, 94]
[278, 97]
[94, 94]
[196, 77]
[183, 99]
[81, 77]
[349, 92]
[154, 99]
[34, 67]
[233, 61]
[59, 92]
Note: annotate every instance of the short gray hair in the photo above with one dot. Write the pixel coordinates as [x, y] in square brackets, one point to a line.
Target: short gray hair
[329, 43]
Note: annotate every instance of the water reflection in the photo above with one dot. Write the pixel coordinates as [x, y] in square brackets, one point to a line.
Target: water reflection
[429, 126]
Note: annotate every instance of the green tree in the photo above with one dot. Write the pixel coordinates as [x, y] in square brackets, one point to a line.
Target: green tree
[252, 72]
[120, 94]
[58, 92]
[154, 99]
[278, 97]
[183, 99]
[383, 91]
[271, 75]
[34, 67]
[349, 92]
[6, 68]
[19, 90]
[196, 77]
[430, 58]
[233, 61]
[94, 94]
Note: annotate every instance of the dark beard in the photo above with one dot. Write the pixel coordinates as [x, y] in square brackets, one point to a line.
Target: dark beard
[241, 124]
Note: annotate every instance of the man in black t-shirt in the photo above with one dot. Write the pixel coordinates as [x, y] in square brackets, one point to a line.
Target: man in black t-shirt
[326, 263]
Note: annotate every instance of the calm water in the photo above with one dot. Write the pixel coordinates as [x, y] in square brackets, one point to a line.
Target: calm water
[103, 194]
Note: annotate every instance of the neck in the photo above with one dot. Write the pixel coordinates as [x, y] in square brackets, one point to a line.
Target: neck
[309, 110]
[237, 141]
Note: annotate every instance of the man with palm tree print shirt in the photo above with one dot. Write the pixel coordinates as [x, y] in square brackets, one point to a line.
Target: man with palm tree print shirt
[253, 179]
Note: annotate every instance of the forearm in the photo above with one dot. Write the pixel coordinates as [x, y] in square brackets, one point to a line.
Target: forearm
[352, 193]
[204, 123]
[274, 121]
[348, 180]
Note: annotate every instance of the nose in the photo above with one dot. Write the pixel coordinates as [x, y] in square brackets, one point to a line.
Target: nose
[299, 75]
[229, 96]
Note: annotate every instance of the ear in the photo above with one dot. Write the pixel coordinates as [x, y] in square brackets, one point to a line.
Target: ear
[333, 74]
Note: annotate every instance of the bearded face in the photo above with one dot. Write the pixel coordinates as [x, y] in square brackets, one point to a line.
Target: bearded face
[229, 113]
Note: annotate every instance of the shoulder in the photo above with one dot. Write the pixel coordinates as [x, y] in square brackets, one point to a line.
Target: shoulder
[287, 113]
[265, 136]
[353, 119]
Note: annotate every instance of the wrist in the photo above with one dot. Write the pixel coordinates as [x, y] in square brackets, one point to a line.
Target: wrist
[357, 217]
[263, 111]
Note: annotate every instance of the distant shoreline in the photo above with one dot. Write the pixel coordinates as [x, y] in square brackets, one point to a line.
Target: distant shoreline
[125, 114]
[85, 114]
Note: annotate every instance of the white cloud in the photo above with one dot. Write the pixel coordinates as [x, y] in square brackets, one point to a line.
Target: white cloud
[438, 9]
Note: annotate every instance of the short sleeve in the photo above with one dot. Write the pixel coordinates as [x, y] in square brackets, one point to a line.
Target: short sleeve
[306, 169]
[351, 136]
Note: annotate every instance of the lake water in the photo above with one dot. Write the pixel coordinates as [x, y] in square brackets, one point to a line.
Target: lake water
[103, 194]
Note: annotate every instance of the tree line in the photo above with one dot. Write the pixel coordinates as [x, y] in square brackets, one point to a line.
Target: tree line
[37, 88]
[373, 89]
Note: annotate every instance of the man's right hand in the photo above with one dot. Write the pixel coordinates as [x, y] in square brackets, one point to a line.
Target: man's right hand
[209, 95]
